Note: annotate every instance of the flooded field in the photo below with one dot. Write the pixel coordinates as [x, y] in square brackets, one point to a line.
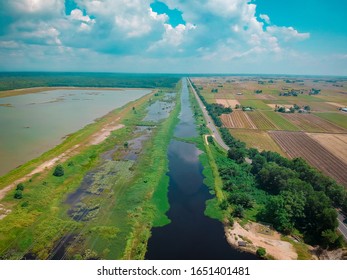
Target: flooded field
[34, 123]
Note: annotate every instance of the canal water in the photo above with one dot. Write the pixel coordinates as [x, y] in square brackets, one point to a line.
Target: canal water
[191, 235]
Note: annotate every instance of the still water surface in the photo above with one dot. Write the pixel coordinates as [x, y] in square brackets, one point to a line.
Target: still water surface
[191, 234]
[35, 123]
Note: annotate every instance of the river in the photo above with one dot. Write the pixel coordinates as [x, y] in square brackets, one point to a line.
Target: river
[191, 235]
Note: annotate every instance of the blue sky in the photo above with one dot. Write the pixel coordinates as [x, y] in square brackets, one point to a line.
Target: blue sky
[175, 36]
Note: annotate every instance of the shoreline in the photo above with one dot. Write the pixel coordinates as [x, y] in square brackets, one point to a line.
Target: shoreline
[254, 235]
[91, 134]
[33, 90]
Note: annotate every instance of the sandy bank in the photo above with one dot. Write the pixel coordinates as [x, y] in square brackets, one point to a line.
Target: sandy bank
[256, 235]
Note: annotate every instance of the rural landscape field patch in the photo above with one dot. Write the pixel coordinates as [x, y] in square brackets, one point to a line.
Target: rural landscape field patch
[237, 119]
[299, 144]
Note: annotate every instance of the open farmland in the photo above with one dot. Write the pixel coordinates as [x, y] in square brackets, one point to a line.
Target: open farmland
[280, 121]
[237, 119]
[338, 118]
[312, 123]
[335, 143]
[261, 121]
[228, 102]
[257, 104]
[223, 102]
[257, 139]
[299, 144]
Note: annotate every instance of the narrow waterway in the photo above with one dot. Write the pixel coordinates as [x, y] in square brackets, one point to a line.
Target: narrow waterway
[191, 234]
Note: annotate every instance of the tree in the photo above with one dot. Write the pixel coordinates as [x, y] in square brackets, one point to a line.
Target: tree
[237, 154]
[210, 139]
[126, 145]
[238, 211]
[275, 212]
[58, 171]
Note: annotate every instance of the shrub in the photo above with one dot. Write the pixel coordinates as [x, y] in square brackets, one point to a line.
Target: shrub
[18, 194]
[20, 187]
[58, 171]
[261, 252]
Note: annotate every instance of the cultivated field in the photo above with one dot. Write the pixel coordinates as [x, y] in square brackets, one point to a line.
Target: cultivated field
[299, 144]
[335, 143]
[339, 119]
[319, 136]
[312, 123]
[228, 102]
[257, 139]
[261, 121]
[237, 119]
[280, 121]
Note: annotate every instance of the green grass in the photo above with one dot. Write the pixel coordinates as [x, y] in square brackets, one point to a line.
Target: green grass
[280, 121]
[126, 208]
[339, 119]
[256, 104]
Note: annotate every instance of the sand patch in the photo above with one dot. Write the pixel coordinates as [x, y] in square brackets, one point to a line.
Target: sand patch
[104, 133]
[257, 235]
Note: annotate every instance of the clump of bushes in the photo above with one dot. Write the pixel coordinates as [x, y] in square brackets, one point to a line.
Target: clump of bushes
[19, 191]
[58, 171]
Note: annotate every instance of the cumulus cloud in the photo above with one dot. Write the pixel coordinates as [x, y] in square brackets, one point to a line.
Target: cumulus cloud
[212, 29]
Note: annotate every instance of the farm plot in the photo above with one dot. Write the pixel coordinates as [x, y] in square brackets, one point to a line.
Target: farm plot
[335, 143]
[227, 102]
[237, 119]
[280, 121]
[338, 118]
[338, 105]
[312, 123]
[223, 102]
[257, 139]
[299, 144]
[257, 104]
[261, 121]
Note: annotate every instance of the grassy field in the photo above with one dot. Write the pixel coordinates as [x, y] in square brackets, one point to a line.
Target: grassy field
[339, 119]
[125, 210]
[257, 139]
[256, 104]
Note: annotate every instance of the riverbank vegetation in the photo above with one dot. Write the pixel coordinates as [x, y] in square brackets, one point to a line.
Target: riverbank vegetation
[289, 195]
[95, 208]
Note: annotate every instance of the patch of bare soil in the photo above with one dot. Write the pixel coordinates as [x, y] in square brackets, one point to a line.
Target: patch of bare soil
[255, 235]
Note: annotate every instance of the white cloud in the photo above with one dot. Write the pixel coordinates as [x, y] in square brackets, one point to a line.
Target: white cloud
[36, 7]
[77, 14]
[265, 18]
[287, 33]
[215, 30]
